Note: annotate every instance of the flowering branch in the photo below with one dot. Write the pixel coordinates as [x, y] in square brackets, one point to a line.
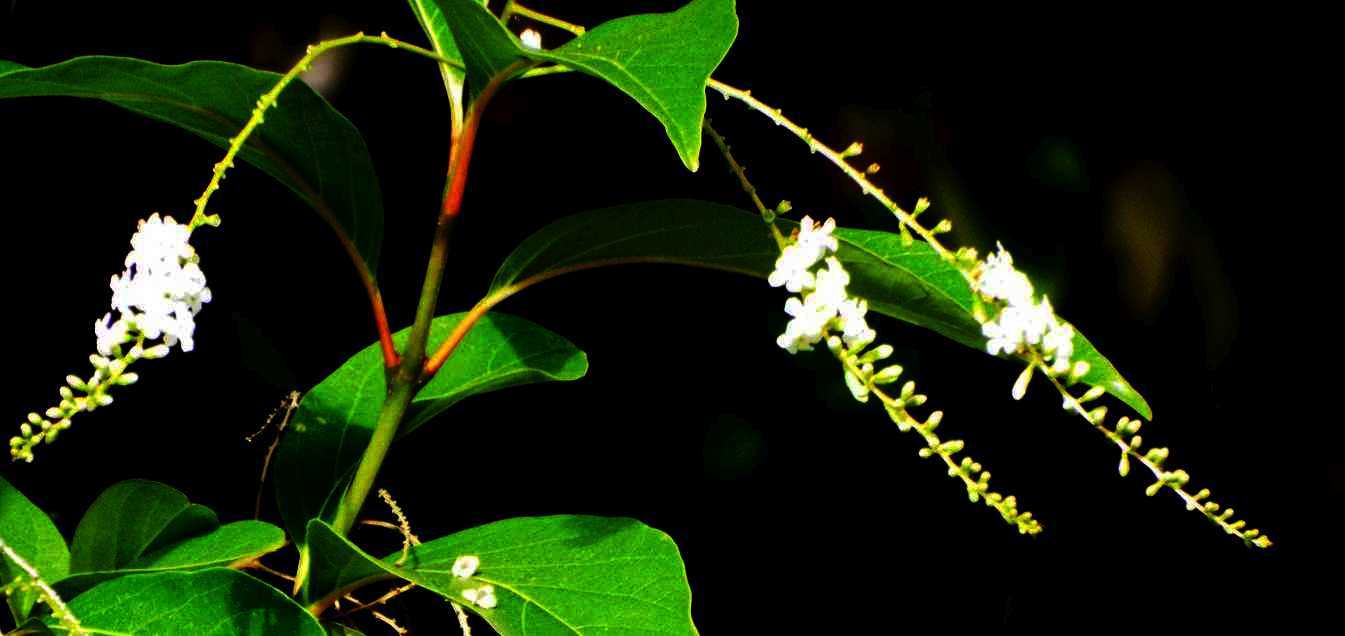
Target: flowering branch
[825, 311]
[157, 297]
[1020, 325]
[1130, 443]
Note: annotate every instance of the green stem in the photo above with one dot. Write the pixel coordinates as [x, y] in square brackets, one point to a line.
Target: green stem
[407, 378]
[394, 407]
[268, 100]
[767, 215]
[512, 9]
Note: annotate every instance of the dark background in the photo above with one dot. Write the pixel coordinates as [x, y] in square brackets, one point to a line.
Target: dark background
[1148, 167]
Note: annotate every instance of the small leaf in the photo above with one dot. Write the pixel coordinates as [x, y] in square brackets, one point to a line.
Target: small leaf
[551, 575]
[906, 281]
[304, 143]
[228, 545]
[30, 533]
[335, 420]
[217, 601]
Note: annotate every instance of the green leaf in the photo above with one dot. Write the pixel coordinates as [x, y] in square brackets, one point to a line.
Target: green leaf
[685, 232]
[908, 282]
[123, 522]
[195, 521]
[335, 420]
[880, 263]
[661, 60]
[232, 544]
[430, 15]
[213, 602]
[30, 533]
[487, 47]
[304, 143]
[552, 575]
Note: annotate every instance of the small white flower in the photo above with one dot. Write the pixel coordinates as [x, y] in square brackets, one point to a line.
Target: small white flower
[1059, 344]
[110, 334]
[793, 267]
[809, 323]
[854, 329]
[531, 38]
[813, 235]
[465, 566]
[483, 596]
[999, 280]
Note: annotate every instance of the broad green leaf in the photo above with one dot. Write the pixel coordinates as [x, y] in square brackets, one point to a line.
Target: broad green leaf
[232, 544]
[661, 60]
[30, 533]
[335, 420]
[304, 143]
[195, 521]
[685, 232]
[212, 602]
[908, 282]
[552, 575]
[123, 522]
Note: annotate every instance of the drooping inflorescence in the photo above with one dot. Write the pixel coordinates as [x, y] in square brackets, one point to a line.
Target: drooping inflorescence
[154, 306]
[825, 311]
[1017, 324]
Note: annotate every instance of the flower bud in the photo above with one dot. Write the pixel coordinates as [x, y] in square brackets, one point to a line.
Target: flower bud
[1092, 394]
[1020, 386]
[888, 375]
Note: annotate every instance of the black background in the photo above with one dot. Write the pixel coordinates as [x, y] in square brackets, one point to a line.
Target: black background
[1147, 167]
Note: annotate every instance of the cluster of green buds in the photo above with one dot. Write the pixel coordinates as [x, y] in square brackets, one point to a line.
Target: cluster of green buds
[81, 395]
[865, 379]
[1125, 434]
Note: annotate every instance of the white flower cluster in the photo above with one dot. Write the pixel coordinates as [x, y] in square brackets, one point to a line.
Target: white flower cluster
[1022, 322]
[157, 296]
[160, 292]
[464, 567]
[824, 303]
